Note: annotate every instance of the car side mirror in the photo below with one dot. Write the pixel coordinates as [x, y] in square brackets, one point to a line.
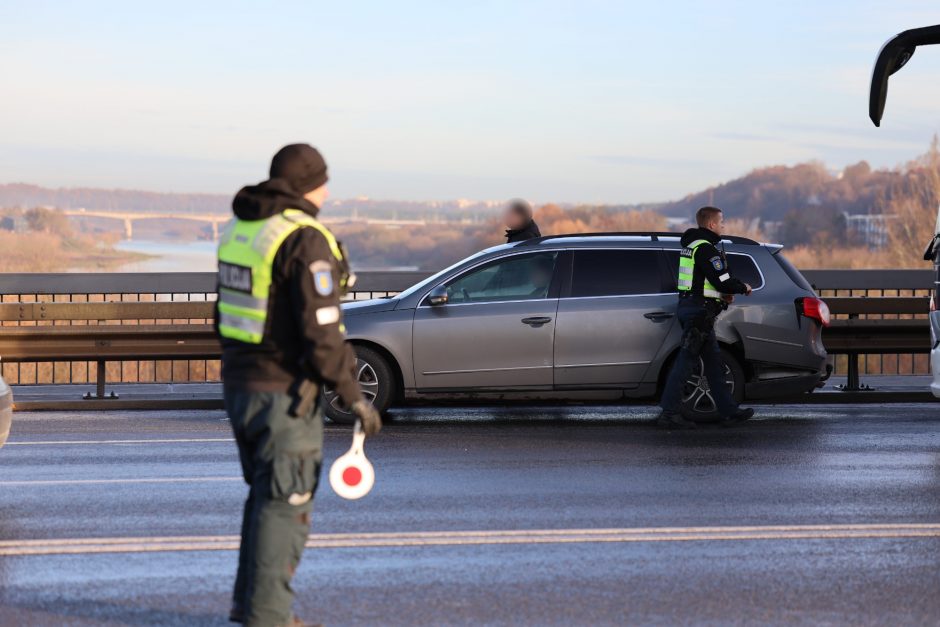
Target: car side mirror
[438, 296]
[930, 253]
[894, 55]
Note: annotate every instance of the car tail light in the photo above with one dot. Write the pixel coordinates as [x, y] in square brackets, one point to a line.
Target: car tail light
[814, 308]
[933, 302]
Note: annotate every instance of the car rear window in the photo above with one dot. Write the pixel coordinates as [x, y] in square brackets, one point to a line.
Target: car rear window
[793, 273]
[615, 273]
[742, 268]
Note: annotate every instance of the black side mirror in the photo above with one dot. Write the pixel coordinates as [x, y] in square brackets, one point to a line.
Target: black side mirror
[930, 253]
[438, 296]
[894, 55]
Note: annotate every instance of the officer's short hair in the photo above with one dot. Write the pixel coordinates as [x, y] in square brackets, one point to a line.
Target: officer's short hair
[706, 214]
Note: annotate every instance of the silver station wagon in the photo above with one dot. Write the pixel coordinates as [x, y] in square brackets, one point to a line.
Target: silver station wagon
[579, 317]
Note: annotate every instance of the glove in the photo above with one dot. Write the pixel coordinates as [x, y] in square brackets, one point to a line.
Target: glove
[369, 415]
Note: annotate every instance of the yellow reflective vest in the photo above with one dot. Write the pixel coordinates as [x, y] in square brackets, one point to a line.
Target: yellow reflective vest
[247, 249]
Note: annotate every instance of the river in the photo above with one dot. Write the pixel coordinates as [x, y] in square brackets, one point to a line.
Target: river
[193, 256]
[169, 256]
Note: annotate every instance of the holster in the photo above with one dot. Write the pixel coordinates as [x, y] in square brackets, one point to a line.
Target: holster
[305, 393]
[693, 340]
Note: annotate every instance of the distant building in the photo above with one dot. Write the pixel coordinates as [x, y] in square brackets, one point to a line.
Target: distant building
[871, 229]
[16, 223]
[771, 229]
[677, 224]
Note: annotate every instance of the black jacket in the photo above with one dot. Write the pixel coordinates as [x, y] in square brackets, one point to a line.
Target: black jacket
[711, 264]
[529, 231]
[303, 333]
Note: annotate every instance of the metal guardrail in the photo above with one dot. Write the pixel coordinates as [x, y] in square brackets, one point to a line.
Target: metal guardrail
[45, 323]
[862, 337]
[170, 283]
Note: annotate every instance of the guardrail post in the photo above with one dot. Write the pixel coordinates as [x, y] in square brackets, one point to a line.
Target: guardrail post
[100, 382]
[852, 383]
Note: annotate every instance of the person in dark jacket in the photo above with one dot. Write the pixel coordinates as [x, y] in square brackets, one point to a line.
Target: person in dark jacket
[519, 223]
[281, 277]
[706, 288]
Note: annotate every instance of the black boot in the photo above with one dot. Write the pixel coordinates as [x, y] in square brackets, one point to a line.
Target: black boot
[737, 417]
[237, 613]
[673, 420]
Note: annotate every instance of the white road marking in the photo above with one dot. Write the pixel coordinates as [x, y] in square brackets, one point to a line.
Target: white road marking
[462, 538]
[39, 482]
[154, 441]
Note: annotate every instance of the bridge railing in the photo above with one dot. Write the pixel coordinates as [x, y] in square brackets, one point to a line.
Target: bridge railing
[879, 284]
[141, 287]
[200, 287]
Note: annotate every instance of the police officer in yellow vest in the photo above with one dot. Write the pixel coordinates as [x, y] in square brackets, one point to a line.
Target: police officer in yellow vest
[706, 288]
[281, 277]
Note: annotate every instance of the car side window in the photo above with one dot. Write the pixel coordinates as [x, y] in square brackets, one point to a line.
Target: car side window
[520, 277]
[615, 273]
[742, 267]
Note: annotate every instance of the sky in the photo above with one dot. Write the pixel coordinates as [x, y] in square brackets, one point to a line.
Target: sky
[589, 101]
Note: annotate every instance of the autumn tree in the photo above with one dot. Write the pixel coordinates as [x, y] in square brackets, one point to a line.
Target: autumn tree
[45, 220]
[913, 203]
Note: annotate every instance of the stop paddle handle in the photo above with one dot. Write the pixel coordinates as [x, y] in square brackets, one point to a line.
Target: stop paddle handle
[352, 475]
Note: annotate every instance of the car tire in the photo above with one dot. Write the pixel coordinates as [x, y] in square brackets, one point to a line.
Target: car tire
[376, 379]
[697, 403]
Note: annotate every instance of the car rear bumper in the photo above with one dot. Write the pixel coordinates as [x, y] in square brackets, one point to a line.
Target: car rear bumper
[784, 386]
[6, 412]
[935, 369]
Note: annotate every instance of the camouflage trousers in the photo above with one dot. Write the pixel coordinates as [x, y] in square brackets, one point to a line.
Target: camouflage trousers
[280, 458]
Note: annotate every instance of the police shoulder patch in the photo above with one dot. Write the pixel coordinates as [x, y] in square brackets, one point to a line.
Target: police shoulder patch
[322, 273]
[718, 263]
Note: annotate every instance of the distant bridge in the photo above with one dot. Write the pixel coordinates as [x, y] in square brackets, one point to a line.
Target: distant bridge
[215, 219]
[128, 218]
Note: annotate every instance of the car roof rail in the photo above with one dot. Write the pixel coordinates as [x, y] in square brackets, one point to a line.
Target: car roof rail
[653, 235]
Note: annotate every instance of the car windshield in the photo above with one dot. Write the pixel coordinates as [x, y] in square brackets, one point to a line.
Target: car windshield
[434, 278]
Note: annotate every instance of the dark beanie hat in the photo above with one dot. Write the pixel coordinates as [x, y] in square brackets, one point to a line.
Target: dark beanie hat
[301, 165]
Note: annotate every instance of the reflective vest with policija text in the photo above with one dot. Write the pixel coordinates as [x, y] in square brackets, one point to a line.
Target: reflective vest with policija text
[246, 257]
[687, 270]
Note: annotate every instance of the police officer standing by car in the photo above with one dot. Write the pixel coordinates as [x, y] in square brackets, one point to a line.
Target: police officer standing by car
[706, 288]
[520, 222]
[281, 277]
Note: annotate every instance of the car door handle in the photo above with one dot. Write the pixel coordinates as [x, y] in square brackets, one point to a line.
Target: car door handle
[536, 321]
[658, 316]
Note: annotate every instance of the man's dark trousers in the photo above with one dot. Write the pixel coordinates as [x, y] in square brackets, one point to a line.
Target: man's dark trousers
[692, 313]
[280, 456]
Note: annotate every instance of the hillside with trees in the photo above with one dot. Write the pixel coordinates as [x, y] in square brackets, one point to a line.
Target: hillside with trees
[23, 195]
[802, 206]
[773, 192]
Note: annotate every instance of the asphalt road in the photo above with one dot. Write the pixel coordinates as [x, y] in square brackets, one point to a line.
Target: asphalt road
[539, 516]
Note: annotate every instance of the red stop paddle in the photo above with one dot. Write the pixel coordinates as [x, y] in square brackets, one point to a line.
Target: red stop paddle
[352, 476]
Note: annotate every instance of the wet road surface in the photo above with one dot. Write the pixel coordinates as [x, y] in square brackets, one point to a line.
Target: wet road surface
[538, 516]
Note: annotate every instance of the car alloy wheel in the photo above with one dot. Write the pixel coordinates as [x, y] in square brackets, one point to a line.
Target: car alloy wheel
[376, 379]
[368, 383]
[697, 395]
